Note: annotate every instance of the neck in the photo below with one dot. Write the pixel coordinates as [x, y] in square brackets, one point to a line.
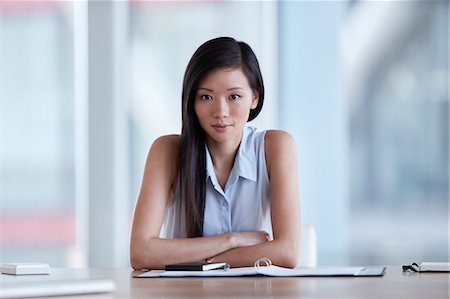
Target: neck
[223, 156]
[222, 152]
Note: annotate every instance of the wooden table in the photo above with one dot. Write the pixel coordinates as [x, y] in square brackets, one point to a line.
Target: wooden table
[395, 284]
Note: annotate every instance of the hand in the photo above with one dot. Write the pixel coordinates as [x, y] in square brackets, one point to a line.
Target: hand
[250, 238]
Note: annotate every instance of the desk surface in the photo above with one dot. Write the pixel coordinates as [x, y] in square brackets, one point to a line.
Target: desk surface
[394, 284]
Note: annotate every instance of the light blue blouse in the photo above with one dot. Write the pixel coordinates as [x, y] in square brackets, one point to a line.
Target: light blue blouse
[243, 205]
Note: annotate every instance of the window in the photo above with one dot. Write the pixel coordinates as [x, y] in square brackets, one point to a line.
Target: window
[399, 134]
[364, 90]
[37, 216]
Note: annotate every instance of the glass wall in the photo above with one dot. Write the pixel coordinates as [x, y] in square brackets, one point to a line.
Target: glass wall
[37, 211]
[364, 89]
[397, 89]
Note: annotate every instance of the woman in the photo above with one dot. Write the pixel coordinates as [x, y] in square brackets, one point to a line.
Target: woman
[221, 191]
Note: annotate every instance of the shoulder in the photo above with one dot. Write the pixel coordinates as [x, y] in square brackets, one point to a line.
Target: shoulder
[164, 150]
[276, 140]
[278, 135]
[279, 145]
[162, 159]
[166, 143]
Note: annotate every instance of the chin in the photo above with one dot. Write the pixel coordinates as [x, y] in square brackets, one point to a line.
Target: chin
[219, 138]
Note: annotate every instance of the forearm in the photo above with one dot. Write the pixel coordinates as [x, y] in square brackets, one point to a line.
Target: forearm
[155, 253]
[281, 253]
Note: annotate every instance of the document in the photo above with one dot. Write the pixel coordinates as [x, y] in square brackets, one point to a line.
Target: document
[271, 270]
[434, 267]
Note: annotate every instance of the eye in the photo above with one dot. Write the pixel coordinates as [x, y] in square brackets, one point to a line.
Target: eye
[234, 97]
[205, 97]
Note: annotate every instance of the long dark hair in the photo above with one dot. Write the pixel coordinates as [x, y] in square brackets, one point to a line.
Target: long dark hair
[222, 52]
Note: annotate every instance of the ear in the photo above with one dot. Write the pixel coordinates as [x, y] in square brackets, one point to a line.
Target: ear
[255, 100]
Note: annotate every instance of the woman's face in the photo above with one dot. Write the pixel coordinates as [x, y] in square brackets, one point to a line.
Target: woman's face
[222, 104]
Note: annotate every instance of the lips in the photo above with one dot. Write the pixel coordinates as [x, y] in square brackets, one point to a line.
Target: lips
[221, 126]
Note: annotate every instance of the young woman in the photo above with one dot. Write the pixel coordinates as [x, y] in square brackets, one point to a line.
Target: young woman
[220, 191]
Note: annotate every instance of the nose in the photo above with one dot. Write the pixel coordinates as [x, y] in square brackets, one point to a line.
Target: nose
[221, 108]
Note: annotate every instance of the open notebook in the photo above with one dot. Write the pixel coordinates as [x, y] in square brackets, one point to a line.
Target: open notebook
[270, 270]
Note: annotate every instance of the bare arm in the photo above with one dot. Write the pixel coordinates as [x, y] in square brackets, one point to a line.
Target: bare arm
[147, 250]
[281, 162]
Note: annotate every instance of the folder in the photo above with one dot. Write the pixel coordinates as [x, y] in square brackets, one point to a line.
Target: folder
[428, 267]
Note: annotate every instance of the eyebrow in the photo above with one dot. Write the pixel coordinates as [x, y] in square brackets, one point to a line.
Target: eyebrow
[233, 88]
[229, 89]
[204, 88]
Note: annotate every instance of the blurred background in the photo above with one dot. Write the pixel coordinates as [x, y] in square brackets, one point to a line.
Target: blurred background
[86, 86]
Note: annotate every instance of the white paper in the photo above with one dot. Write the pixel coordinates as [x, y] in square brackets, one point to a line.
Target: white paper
[433, 266]
[320, 271]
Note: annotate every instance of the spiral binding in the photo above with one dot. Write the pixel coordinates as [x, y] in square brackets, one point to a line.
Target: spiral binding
[267, 262]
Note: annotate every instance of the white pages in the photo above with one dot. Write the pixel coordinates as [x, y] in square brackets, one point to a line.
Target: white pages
[437, 267]
[267, 271]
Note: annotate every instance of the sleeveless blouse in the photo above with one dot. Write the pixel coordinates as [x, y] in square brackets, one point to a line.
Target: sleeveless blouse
[242, 206]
